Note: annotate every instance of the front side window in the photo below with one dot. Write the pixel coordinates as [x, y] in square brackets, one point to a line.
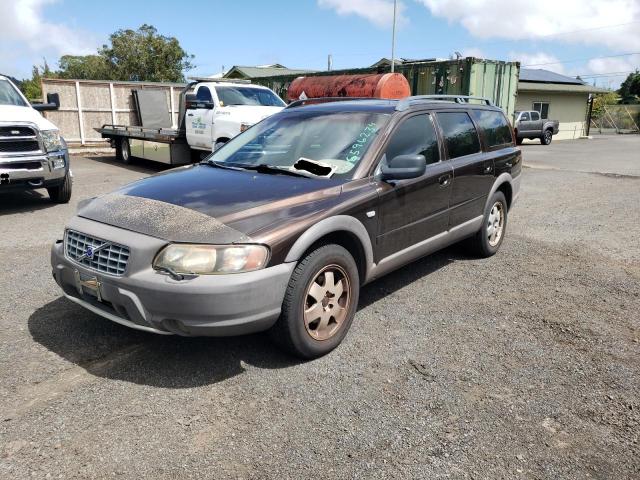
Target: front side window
[9, 95]
[543, 108]
[414, 136]
[495, 127]
[339, 140]
[524, 117]
[460, 135]
[229, 96]
[204, 94]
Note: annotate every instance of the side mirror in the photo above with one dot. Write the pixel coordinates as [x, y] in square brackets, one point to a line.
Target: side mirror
[53, 103]
[192, 103]
[403, 167]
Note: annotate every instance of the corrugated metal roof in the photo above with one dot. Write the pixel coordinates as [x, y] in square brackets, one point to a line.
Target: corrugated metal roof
[257, 72]
[546, 76]
[526, 86]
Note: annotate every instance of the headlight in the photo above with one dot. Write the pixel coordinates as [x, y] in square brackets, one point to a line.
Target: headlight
[51, 140]
[211, 259]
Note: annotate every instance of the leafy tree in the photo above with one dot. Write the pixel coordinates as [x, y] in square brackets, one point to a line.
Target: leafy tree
[144, 54]
[87, 67]
[630, 88]
[32, 87]
[599, 102]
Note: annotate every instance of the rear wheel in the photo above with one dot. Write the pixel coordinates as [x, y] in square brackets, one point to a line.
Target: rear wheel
[487, 241]
[123, 150]
[546, 138]
[319, 304]
[61, 193]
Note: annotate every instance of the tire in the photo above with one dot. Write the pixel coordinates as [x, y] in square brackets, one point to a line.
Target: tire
[546, 138]
[219, 144]
[301, 334]
[125, 151]
[61, 193]
[481, 243]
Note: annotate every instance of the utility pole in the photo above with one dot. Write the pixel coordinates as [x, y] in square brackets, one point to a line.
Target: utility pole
[393, 37]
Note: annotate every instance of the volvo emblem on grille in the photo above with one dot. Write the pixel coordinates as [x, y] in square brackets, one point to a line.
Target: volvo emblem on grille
[92, 250]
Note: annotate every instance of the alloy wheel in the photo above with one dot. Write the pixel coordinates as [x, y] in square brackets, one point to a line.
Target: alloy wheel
[327, 302]
[495, 224]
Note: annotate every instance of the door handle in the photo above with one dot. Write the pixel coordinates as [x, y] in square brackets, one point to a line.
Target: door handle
[444, 180]
[189, 114]
[488, 169]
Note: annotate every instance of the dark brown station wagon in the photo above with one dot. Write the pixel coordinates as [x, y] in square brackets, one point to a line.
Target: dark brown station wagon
[278, 229]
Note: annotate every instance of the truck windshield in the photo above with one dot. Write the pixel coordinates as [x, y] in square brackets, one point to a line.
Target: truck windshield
[248, 96]
[9, 95]
[335, 140]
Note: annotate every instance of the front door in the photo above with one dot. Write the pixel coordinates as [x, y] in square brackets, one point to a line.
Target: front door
[416, 209]
[199, 121]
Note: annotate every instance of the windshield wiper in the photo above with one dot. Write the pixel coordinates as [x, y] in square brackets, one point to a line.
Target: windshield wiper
[270, 169]
[213, 163]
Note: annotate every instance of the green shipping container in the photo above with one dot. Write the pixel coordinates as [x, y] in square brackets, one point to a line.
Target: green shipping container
[492, 79]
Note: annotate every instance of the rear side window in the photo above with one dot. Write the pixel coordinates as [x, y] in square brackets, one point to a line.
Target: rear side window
[415, 136]
[495, 127]
[535, 116]
[460, 135]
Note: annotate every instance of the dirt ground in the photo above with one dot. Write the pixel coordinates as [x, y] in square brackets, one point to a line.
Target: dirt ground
[524, 365]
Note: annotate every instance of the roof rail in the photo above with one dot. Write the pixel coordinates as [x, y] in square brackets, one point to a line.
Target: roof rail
[298, 103]
[407, 102]
[219, 80]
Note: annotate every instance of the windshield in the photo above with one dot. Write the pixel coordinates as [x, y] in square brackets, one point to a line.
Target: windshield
[336, 140]
[248, 96]
[9, 95]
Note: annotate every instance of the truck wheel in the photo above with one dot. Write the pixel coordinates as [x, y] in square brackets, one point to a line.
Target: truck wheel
[319, 304]
[546, 137]
[61, 193]
[125, 151]
[487, 241]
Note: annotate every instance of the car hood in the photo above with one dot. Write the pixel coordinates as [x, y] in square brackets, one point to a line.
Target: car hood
[205, 204]
[13, 113]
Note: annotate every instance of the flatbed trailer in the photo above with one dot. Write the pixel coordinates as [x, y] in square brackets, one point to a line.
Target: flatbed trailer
[163, 145]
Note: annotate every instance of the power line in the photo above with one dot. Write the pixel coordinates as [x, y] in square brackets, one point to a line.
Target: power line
[581, 59]
[609, 74]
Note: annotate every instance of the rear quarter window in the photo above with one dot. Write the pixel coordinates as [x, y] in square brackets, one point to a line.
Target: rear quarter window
[460, 135]
[495, 127]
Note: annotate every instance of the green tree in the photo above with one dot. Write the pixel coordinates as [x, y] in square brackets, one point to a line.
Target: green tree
[87, 67]
[599, 102]
[32, 88]
[630, 88]
[143, 54]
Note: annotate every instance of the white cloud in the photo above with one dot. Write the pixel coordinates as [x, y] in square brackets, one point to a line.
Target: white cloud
[546, 19]
[378, 12]
[26, 36]
[473, 52]
[614, 64]
[542, 60]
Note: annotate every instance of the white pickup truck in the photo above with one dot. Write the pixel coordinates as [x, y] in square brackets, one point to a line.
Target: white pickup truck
[212, 111]
[32, 153]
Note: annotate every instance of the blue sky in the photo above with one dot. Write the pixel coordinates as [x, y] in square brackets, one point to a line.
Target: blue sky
[584, 35]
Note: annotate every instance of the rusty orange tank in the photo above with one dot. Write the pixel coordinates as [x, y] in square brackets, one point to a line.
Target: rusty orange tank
[383, 85]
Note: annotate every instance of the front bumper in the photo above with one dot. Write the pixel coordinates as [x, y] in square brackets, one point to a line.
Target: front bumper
[207, 305]
[32, 171]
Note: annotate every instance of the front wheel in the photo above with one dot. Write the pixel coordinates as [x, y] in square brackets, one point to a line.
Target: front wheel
[320, 303]
[123, 150]
[546, 138]
[61, 193]
[487, 241]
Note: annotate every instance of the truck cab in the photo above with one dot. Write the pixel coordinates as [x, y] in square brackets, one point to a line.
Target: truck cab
[218, 111]
[33, 155]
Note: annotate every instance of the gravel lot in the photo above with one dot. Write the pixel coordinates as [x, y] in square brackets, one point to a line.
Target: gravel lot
[525, 365]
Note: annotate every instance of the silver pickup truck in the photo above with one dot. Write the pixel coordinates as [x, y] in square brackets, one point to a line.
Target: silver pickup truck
[530, 125]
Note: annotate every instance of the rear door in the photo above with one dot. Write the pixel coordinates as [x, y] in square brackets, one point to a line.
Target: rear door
[415, 209]
[199, 120]
[472, 168]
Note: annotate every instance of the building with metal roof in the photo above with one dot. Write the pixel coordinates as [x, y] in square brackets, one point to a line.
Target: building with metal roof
[557, 97]
[258, 71]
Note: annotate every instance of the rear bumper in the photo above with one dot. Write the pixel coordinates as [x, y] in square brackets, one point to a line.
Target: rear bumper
[207, 305]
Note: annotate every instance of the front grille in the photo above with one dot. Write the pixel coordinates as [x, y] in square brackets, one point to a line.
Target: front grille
[19, 146]
[111, 259]
[18, 130]
[36, 165]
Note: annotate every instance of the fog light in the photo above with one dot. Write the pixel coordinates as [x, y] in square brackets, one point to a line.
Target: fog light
[58, 162]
